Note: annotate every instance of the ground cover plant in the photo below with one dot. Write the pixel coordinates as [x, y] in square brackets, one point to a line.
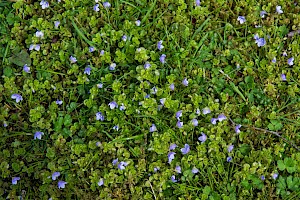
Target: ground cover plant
[158, 99]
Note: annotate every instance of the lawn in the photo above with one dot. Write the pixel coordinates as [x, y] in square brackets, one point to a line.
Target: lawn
[149, 99]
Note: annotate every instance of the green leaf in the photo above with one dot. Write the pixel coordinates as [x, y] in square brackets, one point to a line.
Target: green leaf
[20, 58]
[281, 183]
[68, 120]
[281, 165]
[293, 183]
[58, 124]
[8, 71]
[206, 190]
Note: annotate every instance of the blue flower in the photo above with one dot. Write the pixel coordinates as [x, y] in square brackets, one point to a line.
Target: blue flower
[58, 102]
[87, 70]
[154, 90]
[221, 117]
[98, 144]
[17, 97]
[153, 128]
[274, 60]
[162, 59]
[262, 177]
[179, 124]
[55, 175]
[172, 146]
[197, 2]
[39, 34]
[202, 138]
[171, 156]
[5, 124]
[159, 45]
[173, 179]
[113, 105]
[15, 180]
[185, 82]
[112, 66]
[206, 111]
[162, 101]
[290, 61]
[172, 87]
[284, 53]
[44, 4]
[195, 122]
[156, 169]
[116, 127]
[38, 135]
[115, 161]
[262, 13]
[36, 47]
[26, 68]
[147, 65]
[56, 24]
[137, 22]
[178, 169]
[179, 114]
[91, 49]
[124, 38]
[278, 10]
[260, 42]
[73, 59]
[237, 128]
[229, 159]
[102, 52]
[214, 121]
[122, 107]
[274, 176]
[283, 77]
[195, 170]
[61, 184]
[100, 85]
[99, 116]
[185, 149]
[96, 7]
[101, 182]
[241, 19]
[122, 165]
[230, 148]
[106, 5]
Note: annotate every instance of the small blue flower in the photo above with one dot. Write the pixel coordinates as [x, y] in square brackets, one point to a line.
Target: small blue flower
[96, 8]
[44, 4]
[162, 101]
[122, 107]
[100, 85]
[91, 49]
[237, 128]
[221, 117]
[58, 102]
[101, 182]
[112, 66]
[154, 90]
[173, 179]
[241, 19]
[290, 61]
[185, 149]
[116, 127]
[15, 180]
[179, 124]
[87, 70]
[38, 135]
[61, 184]
[99, 116]
[229, 159]
[147, 65]
[202, 138]
[171, 156]
[262, 177]
[55, 175]
[137, 22]
[172, 146]
[185, 82]
[106, 5]
[195, 170]
[179, 114]
[113, 105]
[5, 124]
[283, 77]
[73, 59]
[98, 144]
[278, 10]
[124, 38]
[197, 2]
[274, 60]
[115, 161]
[178, 169]
[17, 97]
[36, 47]
[261, 42]
[214, 121]
[26, 68]
[102, 52]
[262, 13]
[159, 45]
[39, 34]
[56, 24]
[153, 128]
[156, 169]
[172, 87]
[162, 59]
[195, 122]
[122, 165]
[275, 176]
[230, 148]
[206, 111]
